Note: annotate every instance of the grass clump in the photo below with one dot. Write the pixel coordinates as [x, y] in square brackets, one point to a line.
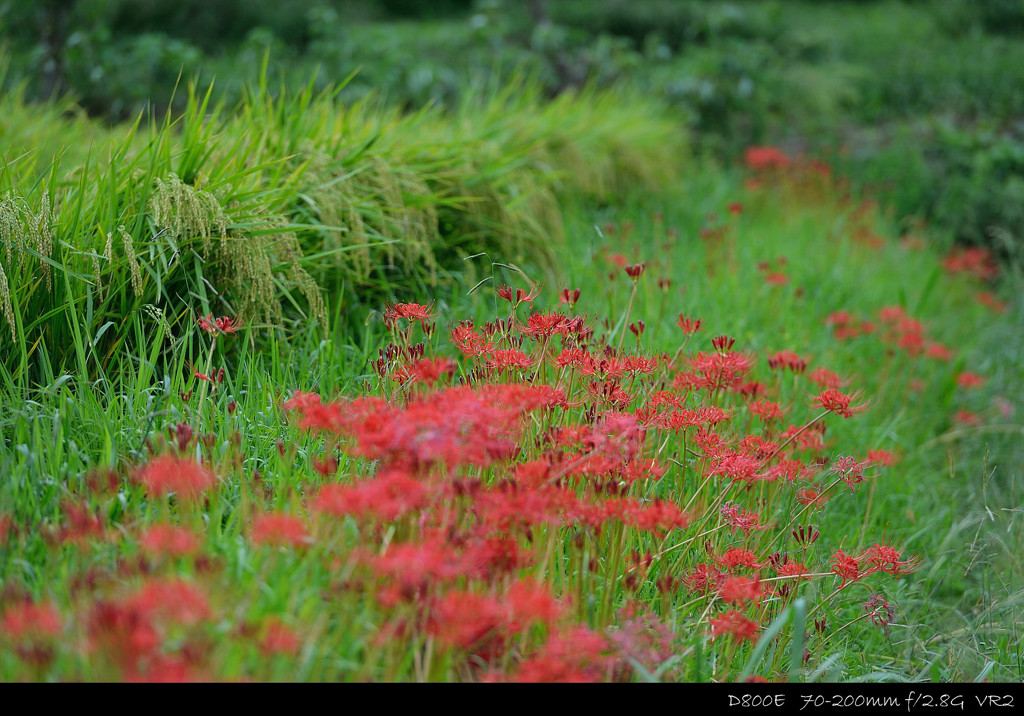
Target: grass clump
[265, 211]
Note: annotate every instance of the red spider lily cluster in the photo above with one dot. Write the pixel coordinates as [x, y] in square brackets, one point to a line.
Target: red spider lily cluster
[521, 499]
[529, 503]
[521, 458]
[894, 328]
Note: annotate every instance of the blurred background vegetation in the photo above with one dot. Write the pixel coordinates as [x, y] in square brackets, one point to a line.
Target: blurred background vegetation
[918, 102]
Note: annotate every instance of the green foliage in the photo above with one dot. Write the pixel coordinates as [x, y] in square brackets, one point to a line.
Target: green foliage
[967, 182]
[998, 17]
[675, 23]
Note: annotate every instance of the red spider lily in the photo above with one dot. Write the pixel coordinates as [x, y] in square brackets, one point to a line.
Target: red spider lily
[637, 328]
[991, 301]
[83, 524]
[334, 417]
[879, 610]
[757, 447]
[882, 457]
[279, 530]
[469, 342]
[788, 470]
[225, 325]
[937, 351]
[613, 367]
[840, 318]
[31, 620]
[182, 476]
[807, 438]
[766, 410]
[518, 398]
[510, 359]
[825, 378]
[657, 516]
[430, 371]
[740, 590]
[734, 624]
[974, 261]
[738, 558]
[884, 558]
[966, 417]
[967, 379]
[634, 470]
[892, 314]
[766, 158]
[750, 389]
[787, 360]
[542, 505]
[172, 600]
[122, 631]
[735, 466]
[742, 520]
[183, 434]
[579, 655]
[704, 579]
[835, 402]
[609, 392]
[541, 326]
[460, 425]
[302, 401]
[849, 470]
[527, 602]
[520, 296]
[408, 311]
[130, 631]
[577, 358]
[709, 441]
[688, 325]
[414, 566]
[161, 669]
[279, 638]
[811, 496]
[464, 620]
[846, 566]
[387, 497]
[722, 343]
[793, 569]
[643, 639]
[215, 378]
[169, 541]
[721, 370]
[635, 271]
[570, 297]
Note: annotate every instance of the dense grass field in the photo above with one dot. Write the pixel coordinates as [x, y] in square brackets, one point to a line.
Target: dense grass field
[517, 389]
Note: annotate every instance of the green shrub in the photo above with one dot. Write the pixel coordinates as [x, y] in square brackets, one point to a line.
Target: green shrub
[676, 23]
[967, 183]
